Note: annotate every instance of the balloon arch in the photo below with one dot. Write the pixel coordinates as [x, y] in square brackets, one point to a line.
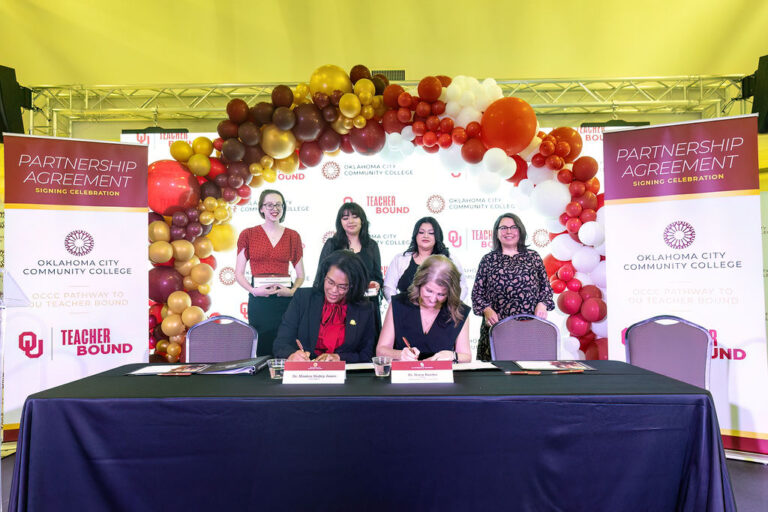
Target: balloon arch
[470, 123]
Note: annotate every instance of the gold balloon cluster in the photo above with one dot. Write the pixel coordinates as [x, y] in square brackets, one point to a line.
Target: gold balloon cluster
[178, 315]
[280, 148]
[195, 156]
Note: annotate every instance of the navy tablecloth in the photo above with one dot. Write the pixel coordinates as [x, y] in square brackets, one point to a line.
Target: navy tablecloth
[618, 438]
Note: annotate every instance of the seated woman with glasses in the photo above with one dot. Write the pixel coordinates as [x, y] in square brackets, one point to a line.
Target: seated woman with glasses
[426, 240]
[333, 320]
[430, 315]
[511, 280]
[269, 248]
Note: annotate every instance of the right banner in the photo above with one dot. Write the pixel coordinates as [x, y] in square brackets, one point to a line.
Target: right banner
[683, 237]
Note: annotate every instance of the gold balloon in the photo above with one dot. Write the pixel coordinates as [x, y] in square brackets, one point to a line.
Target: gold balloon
[192, 315]
[220, 214]
[182, 250]
[329, 78]
[181, 150]
[164, 311]
[179, 301]
[256, 181]
[222, 237]
[367, 112]
[189, 283]
[210, 203]
[378, 101]
[348, 124]
[160, 252]
[338, 126]
[179, 338]
[365, 98]
[205, 289]
[333, 153]
[202, 146]
[203, 247]
[359, 122]
[171, 359]
[301, 91]
[199, 165]
[364, 85]
[206, 218]
[159, 231]
[277, 143]
[173, 350]
[267, 162]
[221, 203]
[202, 273]
[255, 169]
[185, 267]
[172, 325]
[349, 105]
[287, 165]
[269, 175]
[161, 346]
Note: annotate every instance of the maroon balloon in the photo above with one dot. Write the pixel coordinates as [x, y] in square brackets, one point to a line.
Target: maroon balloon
[200, 300]
[206, 229]
[221, 180]
[336, 97]
[179, 219]
[229, 194]
[249, 133]
[163, 281]
[330, 113]
[368, 140]
[262, 113]
[235, 181]
[309, 122]
[310, 154]
[177, 232]
[237, 110]
[391, 123]
[321, 99]
[329, 140]
[210, 189]
[152, 217]
[253, 155]
[171, 187]
[238, 169]
[192, 213]
[227, 129]
[284, 118]
[233, 150]
[346, 143]
[282, 96]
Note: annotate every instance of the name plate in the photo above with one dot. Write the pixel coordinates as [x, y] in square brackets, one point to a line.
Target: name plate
[406, 372]
[314, 372]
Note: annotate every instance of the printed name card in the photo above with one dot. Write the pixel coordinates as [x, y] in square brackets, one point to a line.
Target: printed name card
[314, 372]
[406, 372]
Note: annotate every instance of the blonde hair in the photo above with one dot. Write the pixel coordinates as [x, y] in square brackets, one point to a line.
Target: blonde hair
[439, 270]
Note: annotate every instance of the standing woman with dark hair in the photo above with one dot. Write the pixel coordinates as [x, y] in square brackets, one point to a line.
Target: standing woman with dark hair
[426, 240]
[352, 233]
[269, 248]
[510, 280]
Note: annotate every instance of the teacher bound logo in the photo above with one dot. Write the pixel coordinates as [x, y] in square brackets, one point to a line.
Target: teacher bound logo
[227, 276]
[78, 242]
[331, 170]
[30, 344]
[679, 235]
[541, 238]
[435, 203]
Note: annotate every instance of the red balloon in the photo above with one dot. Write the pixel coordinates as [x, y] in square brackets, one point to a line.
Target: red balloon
[459, 134]
[577, 325]
[200, 300]
[572, 137]
[574, 285]
[346, 143]
[403, 114]
[423, 109]
[171, 187]
[565, 176]
[566, 272]
[587, 215]
[438, 107]
[569, 302]
[473, 129]
[368, 140]
[444, 140]
[573, 225]
[391, 93]
[573, 209]
[577, 188]
[217, 167]
[521, 172]
[562, 149]
[602, 348]
[404, 100]
[590, 291]
[430, 88]
[432, 149]
[586, 339]
[429, 139]
[509, 124]
[155, 311]
[446, 125]
[419, 128]
[554, 162]
[588, 200]
[564, 218]
[558, 286]
[473, 151]
[591, 352]
[547, 148]
[593, 185]
[237, 110]
[585, 168]
[433, 123]
[310, 154]
[210, 260]
[163, 281]
[538, 160]
[593, 310]
[600, 201]
[552, 264]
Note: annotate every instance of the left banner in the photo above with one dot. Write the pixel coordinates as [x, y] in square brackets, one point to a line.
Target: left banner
[75, 241]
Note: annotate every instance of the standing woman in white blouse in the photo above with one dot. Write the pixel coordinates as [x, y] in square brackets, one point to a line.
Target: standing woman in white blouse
[427, 239]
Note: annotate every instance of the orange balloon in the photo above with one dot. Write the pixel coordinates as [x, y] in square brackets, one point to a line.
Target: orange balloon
[509, 124]
[572, 137]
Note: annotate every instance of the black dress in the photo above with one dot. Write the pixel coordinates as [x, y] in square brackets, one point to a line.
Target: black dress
[441, 336]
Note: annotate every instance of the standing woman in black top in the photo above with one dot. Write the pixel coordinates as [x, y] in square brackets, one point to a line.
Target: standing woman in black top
[352, 233]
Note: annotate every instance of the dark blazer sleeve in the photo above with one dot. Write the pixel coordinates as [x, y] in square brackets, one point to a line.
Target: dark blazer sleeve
[327, 249]
[294, 325]
[375, 255]
[359, 334]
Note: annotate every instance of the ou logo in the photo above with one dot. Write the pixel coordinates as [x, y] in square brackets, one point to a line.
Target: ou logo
[30, 344]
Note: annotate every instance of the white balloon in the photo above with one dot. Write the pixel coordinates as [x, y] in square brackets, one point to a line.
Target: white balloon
[489, 83]
[601, 217]
[554, 226]
[601, 328]
[582, 356]
[582, 277]
[460, 81]
[451, 158]
[494, 159]
[571, 344]
[489, 181]
[473, 169]
[531, 149]
[522, 202]
[482, 101]
[467, 99]
[472, 82]
[600, 249]
[585, 259]
[509, 169]
[497, 93]
[407, 133]
[591, 233]
[452, 109]
[597, 274]
[561, 247]
[394, 139]
[539, 175]
[525, 187]
[467, 115]
[549, 198]
[443, 95]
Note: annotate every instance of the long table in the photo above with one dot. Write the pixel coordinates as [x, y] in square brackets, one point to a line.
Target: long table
[617, 438]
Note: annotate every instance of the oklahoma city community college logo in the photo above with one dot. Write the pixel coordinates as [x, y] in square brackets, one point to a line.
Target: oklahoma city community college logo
[541, 238]
[78, 242]
[331, 170]
[679, 235]
[227, 276]
[30, 344]
[327, 235]
[435, 203]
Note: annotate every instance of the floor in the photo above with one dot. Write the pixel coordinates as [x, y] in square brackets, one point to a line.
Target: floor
[749, 480]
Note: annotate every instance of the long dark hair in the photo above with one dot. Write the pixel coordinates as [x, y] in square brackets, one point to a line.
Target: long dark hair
[439, 247]
[339, 239]
[352, 266]
[521, 247]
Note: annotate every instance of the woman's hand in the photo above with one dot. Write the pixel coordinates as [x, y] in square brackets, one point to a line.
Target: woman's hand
[490, 315]
[443, 355]
[540, 310]
[264, 290]
[282, 291]
[409, 354]
[374, 285]
[328, 357]
[299, 355]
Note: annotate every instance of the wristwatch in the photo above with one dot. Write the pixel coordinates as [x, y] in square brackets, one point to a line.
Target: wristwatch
[455, 357]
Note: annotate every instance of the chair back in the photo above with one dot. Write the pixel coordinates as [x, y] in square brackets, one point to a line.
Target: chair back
[676, 348]
[524, 338]
[220, 338]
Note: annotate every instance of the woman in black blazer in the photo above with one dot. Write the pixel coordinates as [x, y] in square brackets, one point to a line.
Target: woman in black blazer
[333, 320]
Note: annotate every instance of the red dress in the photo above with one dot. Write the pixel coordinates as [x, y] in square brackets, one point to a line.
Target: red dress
[267, 260]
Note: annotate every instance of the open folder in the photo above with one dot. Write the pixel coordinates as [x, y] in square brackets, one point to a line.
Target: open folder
[247, 366]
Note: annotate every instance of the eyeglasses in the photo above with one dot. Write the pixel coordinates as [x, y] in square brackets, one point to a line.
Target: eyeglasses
[505, 229]
[273, 206]
[340, 287]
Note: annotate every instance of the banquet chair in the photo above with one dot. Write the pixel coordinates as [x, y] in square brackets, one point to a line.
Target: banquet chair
[671, 346]
[524, 338]
[220, 338]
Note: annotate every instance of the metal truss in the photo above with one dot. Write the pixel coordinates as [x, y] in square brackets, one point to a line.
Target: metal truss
[56, 108]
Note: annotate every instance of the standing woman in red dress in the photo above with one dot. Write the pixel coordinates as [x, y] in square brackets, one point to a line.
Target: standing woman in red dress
[269, 248]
